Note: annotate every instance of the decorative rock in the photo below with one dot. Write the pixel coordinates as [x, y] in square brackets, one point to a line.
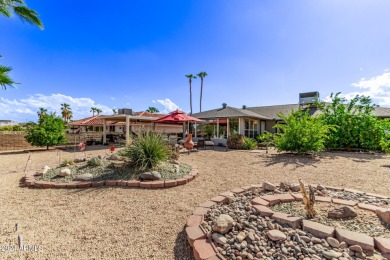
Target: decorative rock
[343, 212]
[384, 215]
[295, 187]
[219, 238]
[333, 242]
[151, 176]
[65, 172]
[276, 235]
[320, 187]
[269, 186]
[241, 236]
[223, 224]
[331, 254]
[343, 245]
[84, 177]
[356, 248]
[45, 169]
[118, 164]
[113, 157]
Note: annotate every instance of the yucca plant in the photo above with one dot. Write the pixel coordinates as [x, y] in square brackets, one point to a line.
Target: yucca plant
[147, 150]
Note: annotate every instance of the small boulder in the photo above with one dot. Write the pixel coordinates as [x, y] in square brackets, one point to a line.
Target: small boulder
[84, 177]
[223, 224]
[113, 157]
[343, 212]
[356, 248]
[44, 170]
[150, 176]
[118, 164]
[219, 238]
[384, 215]
[285, 185]
[241, 236]
[331, 254]
[295, 187]
[276, 235]
[269, 186]
[65, 172]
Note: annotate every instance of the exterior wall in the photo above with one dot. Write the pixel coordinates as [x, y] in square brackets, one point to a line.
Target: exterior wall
[269, 124]
[10, 140]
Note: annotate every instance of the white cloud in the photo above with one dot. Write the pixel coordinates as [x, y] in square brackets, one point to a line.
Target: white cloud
[168, 105]
[378, 88]
[27, 108]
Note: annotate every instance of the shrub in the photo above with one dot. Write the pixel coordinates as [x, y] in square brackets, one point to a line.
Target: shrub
[95, 161]
[301, 133]
[249, 144]
[48, 132]
[267, 139]
[148, 150]
[67, 162]
[235, 141]
[357, 127]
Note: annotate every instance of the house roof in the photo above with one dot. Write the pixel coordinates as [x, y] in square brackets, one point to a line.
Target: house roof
[229, 112]
[270, 112]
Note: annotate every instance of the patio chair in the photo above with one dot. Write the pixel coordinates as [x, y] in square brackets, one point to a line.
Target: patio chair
[200, 144]
[208, 142]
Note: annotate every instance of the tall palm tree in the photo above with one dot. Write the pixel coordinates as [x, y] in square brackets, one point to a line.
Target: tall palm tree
[190, 78]
[5, 80]
[18, 7]
[98, 111]
[201, 75]
[42, 111]
[93, 110]
[66, 112]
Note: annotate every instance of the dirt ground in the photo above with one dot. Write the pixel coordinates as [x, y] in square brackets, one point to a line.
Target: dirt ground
[108, 223]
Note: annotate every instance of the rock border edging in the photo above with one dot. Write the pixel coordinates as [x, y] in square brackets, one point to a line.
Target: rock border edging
[205, 249]
[30, 181]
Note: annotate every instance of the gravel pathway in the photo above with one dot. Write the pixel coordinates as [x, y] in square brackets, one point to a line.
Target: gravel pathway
[148, 224]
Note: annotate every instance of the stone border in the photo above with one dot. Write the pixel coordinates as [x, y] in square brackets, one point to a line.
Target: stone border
[30, 181]
[205, 249]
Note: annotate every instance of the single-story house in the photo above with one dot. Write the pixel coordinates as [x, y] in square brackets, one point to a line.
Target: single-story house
[251, 121]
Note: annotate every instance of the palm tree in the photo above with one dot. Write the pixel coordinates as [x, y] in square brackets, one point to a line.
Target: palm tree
[190, 77]
[98, 111]
[66, 112]
[201, 75]
[7, 7]
[152, 110]
[5, 80]
[93, 110]
[42, 111]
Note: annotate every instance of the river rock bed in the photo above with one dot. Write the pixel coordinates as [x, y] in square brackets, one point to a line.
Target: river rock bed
[256, 237]
[366, 222]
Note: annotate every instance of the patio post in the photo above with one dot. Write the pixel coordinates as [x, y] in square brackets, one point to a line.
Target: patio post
[127, 129]
[217, 127]
[104, 131]
[239, 125]
[227, 128]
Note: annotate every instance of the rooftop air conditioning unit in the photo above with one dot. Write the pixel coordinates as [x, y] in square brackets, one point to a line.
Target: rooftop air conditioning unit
[309, 98]
[125, 111]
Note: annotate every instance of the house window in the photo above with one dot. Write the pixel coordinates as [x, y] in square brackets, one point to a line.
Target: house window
[112, 128]
[251, 128]
[89, 128]
[98, 128]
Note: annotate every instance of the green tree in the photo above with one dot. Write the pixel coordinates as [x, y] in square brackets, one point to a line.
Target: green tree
[66, 112]
[201, 75]
[18, 7]
[49, 131]
[357, 127]
[93, 110]
[301, 133]
[98, 111]
[190, 78]
[152, 110]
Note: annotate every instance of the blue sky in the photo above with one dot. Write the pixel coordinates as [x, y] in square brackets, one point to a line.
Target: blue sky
[135, 54]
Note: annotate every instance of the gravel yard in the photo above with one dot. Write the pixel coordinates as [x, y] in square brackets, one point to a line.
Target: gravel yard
[126, 223]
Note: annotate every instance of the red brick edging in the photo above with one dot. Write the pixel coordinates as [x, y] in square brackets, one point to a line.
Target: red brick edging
[205, 249]
[30, 181]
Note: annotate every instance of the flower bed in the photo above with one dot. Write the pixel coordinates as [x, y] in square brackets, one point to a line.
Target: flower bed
[241, 224]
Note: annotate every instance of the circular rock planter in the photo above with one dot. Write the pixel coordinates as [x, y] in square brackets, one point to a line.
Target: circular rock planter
[243, 224]
[85, 180]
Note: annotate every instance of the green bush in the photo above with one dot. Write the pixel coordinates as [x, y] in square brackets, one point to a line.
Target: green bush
[49, 131]
[301, 133]
[235, 141]
[249, 144]
[95, 161]
[267, 139]
[148, 150]
[357, 127]
[67, 162]
[11, 128]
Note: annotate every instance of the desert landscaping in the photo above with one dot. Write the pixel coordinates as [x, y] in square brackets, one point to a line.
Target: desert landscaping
[135, 223]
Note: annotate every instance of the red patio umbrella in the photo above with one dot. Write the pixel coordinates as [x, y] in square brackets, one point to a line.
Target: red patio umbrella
[177, 116]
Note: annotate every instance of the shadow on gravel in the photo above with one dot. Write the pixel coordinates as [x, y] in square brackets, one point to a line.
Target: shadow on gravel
[287, 159]
[182, 249]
